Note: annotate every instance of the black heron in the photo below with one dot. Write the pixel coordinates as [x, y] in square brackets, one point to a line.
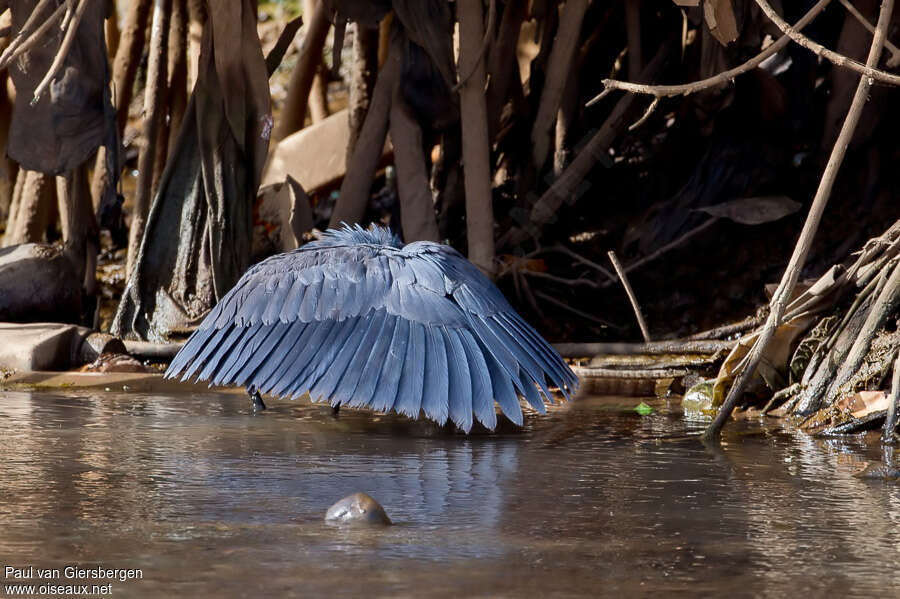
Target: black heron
[361, 320]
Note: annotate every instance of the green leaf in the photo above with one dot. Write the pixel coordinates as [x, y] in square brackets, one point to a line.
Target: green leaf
[643, 409]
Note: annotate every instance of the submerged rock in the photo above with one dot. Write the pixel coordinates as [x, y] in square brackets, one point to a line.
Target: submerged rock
[358, 508]
[703, 399]
[879, 471]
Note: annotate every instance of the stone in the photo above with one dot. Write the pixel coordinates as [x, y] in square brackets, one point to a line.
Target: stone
[358, 508]
[315, 156]
[282, 214]
[38, 283]
[52, 346]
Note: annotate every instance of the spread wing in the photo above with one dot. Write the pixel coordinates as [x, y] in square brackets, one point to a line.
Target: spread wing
[403, 329]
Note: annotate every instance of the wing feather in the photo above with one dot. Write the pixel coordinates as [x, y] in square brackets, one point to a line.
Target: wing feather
[503, 390]
[326, 385]
[482, 393]
[345, 392]
[364, 394]
[434, 395]
[282, 385]
[412, 379]
[196, 363]
[195, 344]
[221, 352]
[460, 381]
[237, 357]
[291, 308]
[389, 380]
[262, 350]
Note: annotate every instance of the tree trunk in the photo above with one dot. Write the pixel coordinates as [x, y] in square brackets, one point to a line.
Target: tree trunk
[128, 55]
[557, 72]
[362, 80]
[357, 184]
[79, 226]
[293, 114]
[475, 143]
[196, 19]
[416, 203]
[318, 93]
[31, 209]
[153, 94]
[502, 59]
[177, 68]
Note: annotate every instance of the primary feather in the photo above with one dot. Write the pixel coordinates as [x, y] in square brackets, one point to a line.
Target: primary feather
[357, 318]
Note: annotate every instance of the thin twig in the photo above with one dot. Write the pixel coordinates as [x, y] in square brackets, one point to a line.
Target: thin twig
[792, 272]
[62, 53]
[895, 51]
[840, 60]
[669, 246]
[576, 256]
[890, 423]
[667, 347]
[33, 38]
[25, 31]
[630, 292]
[563, 280]
[728, 329]
[640, 374]
[780, 397]
[645, 116]
[575, 311]
[718, 80]
[485, 43]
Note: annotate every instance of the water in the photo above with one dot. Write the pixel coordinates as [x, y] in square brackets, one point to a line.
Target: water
[593, 499]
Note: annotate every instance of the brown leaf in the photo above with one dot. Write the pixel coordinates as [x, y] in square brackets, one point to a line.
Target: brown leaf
[754, 211]
[719, 16]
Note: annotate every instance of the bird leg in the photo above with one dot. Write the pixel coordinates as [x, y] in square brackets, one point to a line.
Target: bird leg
[256, 399]
[335, 410]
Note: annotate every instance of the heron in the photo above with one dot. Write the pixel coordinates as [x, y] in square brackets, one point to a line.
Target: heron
[358, 319]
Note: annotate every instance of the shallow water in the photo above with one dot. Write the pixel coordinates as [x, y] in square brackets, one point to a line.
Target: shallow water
[594, 499]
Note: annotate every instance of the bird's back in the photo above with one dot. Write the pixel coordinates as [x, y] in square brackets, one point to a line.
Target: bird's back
[359, 319]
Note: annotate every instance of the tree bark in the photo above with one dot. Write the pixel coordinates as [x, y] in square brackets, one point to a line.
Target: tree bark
[153, 94]
[357, 184]
[128, 55]
[31, 209]
[79, 226]
[362, 80]
[196, 19]
[475, 143]
[561, 55]
[293, 114]
[318, 93]
[416, 203]
[502, 59]
[177, 69]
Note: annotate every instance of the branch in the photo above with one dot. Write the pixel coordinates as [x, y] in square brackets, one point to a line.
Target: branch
[62, 53]
[792, 272]
[631, 296]
[894, 50]
[718, 80]
[840, 60]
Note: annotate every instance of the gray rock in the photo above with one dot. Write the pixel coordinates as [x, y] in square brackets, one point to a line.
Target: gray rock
[358, 508]
[52, 346]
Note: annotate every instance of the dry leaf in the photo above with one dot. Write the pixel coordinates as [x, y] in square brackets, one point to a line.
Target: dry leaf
[754, 211]
[719, 16]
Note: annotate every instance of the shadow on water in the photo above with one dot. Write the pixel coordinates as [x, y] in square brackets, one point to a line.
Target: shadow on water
[591, 499]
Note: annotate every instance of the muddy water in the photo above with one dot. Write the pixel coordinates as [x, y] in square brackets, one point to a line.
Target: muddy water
[593, 499]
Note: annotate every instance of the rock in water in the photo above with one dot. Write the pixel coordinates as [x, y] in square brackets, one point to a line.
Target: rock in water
[358, 508]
